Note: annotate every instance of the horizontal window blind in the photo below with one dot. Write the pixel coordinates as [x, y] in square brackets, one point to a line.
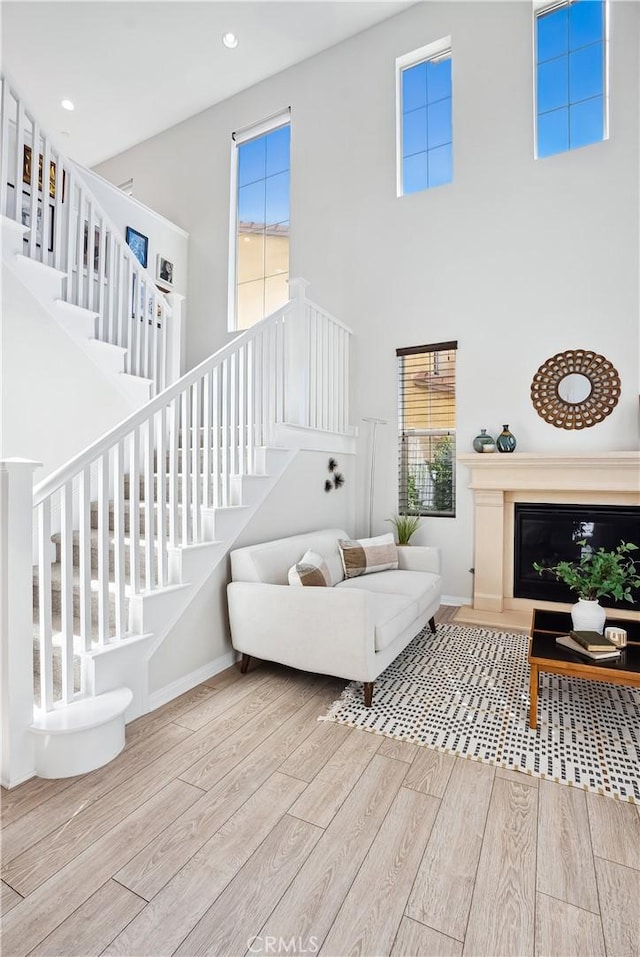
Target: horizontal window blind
[427, 429]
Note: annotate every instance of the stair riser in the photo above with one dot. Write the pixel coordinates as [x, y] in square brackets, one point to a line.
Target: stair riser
[141, 488]
[179, 463]
[56, 607]
[127, 522]
[57, 673]
[94, 559]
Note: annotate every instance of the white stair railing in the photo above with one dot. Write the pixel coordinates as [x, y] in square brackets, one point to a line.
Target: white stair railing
[178, 454]
[39, 184]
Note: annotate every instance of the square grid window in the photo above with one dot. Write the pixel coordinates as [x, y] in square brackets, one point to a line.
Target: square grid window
[427, 429]
[260, 267]
[571, 76]
[425, 157]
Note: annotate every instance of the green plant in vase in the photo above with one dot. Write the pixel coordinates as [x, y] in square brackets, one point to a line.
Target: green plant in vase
[405, 526]
[598, 574]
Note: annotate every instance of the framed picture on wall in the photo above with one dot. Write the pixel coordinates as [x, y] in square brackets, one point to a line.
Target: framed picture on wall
[164, 271]
[26, 218]
[138, 244]
[96, 249]
[26, 172]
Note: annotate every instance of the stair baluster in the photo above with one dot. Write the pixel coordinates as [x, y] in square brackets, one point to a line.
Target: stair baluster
[68, 230]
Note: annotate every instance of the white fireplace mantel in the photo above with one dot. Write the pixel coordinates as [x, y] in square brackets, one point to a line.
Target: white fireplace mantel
[501, 479]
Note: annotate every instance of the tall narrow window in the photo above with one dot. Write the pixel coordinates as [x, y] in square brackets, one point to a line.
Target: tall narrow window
[427, 429]
[260, 241]
[424, 130]
[571, 76]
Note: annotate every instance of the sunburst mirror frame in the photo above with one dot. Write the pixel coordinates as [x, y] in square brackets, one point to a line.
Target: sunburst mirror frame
[598, 404]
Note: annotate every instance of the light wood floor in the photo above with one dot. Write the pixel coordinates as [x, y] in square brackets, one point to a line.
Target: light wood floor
[235, 822]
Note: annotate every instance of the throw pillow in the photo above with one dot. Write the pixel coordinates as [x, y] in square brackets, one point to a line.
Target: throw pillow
[310, 570]
[368, 555]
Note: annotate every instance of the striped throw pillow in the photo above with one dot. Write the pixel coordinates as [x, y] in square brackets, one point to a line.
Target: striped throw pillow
[310, 570]
[368, 555]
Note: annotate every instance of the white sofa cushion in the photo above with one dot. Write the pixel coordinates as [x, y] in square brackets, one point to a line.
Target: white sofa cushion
[419, 586]
[311, 570]
[270, 562]
[390, 615]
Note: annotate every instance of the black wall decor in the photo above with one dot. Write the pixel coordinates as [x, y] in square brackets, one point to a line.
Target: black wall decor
[337, 480]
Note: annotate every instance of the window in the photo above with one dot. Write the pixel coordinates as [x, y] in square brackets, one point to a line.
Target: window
[259, 270]
[427, 429]
[424, 132]
[571, 76]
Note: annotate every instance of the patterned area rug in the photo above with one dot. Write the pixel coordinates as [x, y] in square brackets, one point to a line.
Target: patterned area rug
[466, 691]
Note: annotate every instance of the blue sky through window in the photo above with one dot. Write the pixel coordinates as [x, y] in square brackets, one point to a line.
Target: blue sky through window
[263, 179]
[262, 235]
[570, 77]
[427, 158]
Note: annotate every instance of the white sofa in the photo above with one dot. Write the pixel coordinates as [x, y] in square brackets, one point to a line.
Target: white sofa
[351, 630]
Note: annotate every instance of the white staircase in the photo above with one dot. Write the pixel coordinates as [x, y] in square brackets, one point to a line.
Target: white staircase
[46, 284]
[77, 264]
[126, 533]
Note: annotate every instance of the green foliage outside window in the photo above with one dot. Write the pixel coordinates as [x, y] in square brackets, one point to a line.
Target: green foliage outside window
[442, 474]
[440, 471]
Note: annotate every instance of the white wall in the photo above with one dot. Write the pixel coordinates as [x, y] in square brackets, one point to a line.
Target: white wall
[298, 503]
[517, 259]
[54, 401]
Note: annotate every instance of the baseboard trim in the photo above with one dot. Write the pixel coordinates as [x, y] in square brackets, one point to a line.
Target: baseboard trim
[187, 682]
[26, 776]
[455, 600]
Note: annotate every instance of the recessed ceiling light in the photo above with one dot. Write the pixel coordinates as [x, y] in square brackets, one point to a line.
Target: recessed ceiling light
[230, 40]
[67, 105]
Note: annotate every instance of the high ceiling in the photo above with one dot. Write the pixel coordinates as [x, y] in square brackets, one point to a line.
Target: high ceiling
[133, 69]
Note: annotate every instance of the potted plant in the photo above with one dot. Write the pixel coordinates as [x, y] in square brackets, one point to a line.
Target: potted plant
[405, 526]
[598, 574]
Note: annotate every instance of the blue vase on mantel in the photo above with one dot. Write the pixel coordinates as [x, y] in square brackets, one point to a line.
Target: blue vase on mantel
[484, 442]
[506, 441]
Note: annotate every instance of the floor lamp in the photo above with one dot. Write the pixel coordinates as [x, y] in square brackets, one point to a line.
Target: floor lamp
[375, 423]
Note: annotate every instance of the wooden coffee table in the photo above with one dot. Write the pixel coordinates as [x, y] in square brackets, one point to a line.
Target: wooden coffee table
[545, 655]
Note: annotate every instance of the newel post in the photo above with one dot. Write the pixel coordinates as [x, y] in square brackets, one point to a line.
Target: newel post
[175, 337]
[297, 357]
[16, 620]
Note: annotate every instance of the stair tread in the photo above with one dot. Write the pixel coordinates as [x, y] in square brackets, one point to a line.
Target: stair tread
[136, 378]
[83, 714]
[39, 266]
[110, 346]
[56, 579]
[74, 309]
[94, 538]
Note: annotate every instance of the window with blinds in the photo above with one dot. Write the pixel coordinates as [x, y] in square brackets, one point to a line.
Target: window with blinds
[427, 429]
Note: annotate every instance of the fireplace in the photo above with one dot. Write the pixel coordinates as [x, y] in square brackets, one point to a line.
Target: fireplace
[549, 533]
[502, 482]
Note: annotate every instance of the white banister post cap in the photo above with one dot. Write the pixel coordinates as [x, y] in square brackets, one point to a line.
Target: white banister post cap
[17, 464]
[298, 287]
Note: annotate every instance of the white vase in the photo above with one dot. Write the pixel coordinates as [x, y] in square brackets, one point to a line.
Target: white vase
[588, 616]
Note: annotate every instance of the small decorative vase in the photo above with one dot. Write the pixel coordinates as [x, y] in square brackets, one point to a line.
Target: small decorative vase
[506, 442]
[588, 616]
[484, 442]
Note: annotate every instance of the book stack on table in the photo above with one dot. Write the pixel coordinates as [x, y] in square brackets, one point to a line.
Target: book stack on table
[591, 644]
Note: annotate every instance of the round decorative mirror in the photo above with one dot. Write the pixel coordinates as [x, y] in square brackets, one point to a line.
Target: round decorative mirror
[575, 389]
